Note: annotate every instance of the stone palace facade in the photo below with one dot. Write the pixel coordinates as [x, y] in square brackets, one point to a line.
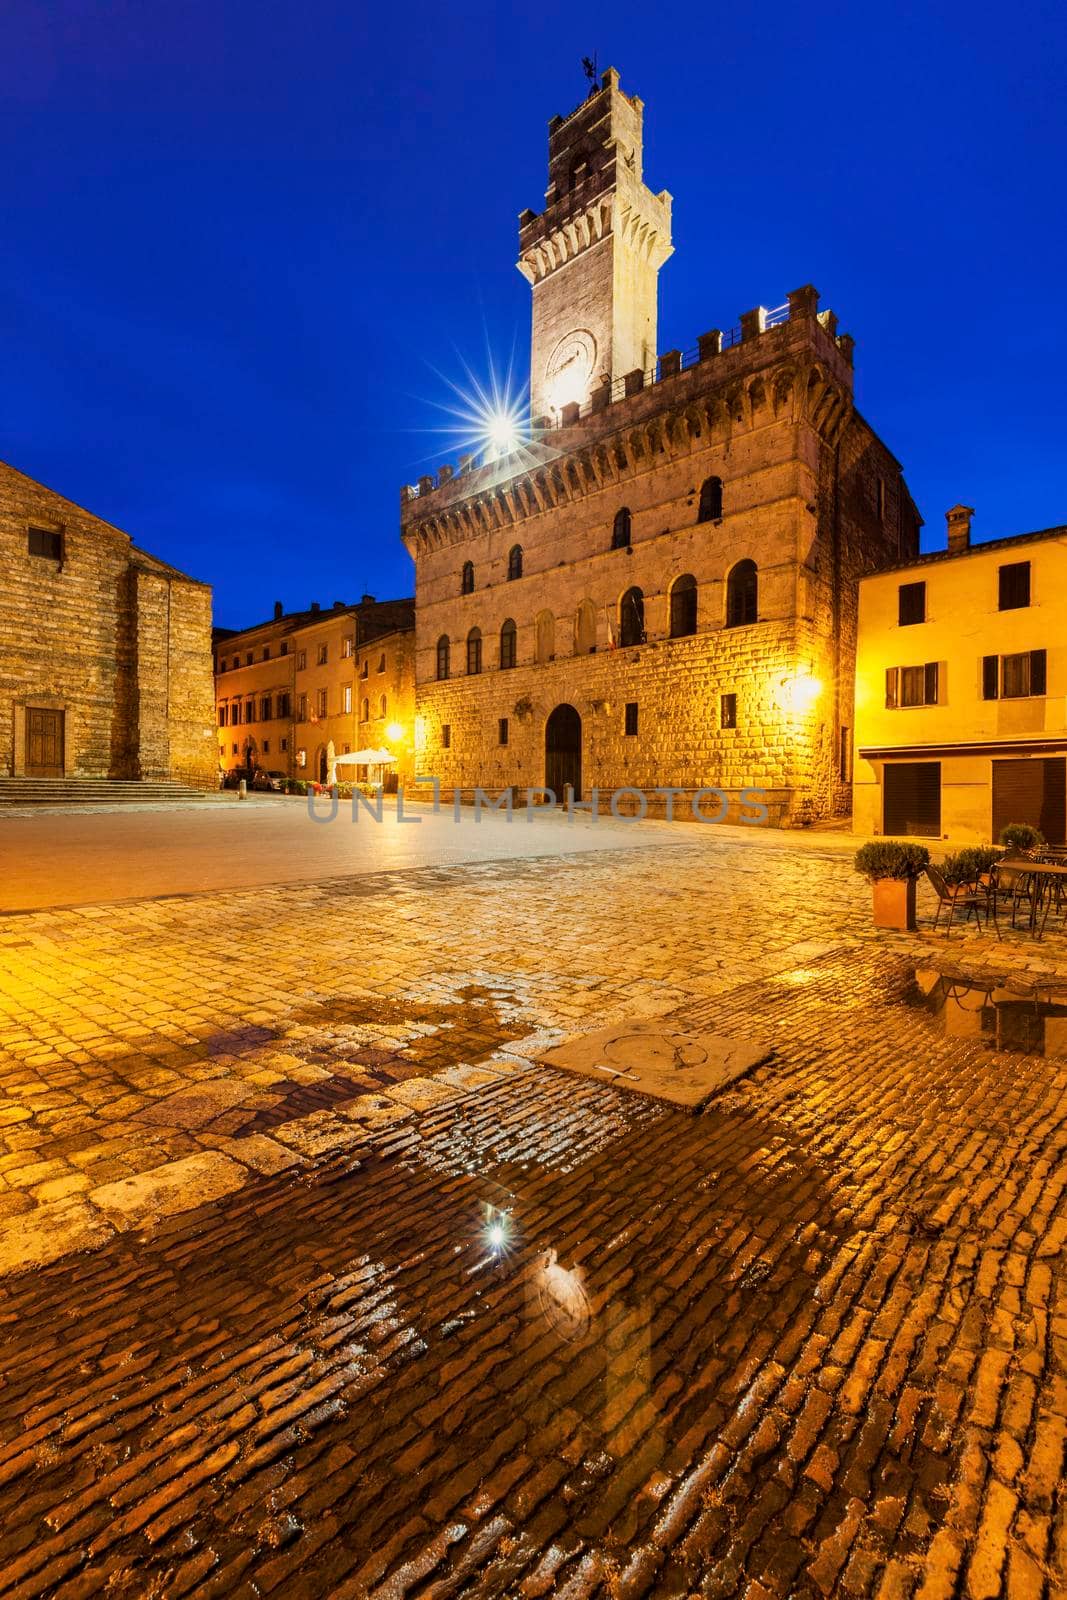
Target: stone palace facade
[659, 587]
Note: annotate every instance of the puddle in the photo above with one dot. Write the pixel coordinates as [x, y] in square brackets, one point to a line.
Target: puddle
[1022, 1022]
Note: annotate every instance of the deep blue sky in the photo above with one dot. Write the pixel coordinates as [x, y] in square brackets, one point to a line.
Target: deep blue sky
[246, 244]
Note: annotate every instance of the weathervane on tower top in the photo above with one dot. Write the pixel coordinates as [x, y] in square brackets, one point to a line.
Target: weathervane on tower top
[589, 68]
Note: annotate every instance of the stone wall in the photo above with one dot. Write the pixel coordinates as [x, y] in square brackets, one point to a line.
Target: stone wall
[117, 642]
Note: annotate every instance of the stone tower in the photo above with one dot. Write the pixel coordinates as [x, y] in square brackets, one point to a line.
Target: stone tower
[593, 255]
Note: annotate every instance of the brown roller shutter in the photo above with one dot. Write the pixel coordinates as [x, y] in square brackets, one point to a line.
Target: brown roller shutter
[912, 798]
[1033, 791]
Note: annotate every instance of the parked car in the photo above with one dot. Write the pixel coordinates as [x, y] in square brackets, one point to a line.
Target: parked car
[272, 782]
[231, 779]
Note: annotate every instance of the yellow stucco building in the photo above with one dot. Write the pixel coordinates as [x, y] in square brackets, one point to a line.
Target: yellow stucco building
[288, 688]
[961, 690]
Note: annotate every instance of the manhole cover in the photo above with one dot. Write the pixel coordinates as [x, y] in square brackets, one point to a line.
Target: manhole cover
[685, 1069]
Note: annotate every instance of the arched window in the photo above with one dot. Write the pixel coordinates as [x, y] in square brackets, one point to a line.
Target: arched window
[364, 709]
[442, 657]
[742, 595]
[683, 606]
[515, 561]
[467, 581]
[620, 529]
[383, 706]
[710, 500]
[545, 626]
[474, 651]
[632, 618]
[508, 644]
[585, 629]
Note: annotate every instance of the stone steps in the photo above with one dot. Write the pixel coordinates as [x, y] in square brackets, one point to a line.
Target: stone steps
[93, 791]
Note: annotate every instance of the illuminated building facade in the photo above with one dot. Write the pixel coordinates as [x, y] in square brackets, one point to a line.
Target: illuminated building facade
[658, 589]
[289, 687]
[105, 652]
[961, 690]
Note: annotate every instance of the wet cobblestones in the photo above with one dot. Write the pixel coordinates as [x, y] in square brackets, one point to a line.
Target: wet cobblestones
[811, 1342]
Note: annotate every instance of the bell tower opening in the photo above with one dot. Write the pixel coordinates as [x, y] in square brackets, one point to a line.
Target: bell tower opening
[592, 257]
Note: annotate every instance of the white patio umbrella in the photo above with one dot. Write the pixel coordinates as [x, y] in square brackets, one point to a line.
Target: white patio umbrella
[366, 758]
[331, 764]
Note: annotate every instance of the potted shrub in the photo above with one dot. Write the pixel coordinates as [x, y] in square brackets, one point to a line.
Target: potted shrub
[892, 869]
[1021, 837]
[972, 865]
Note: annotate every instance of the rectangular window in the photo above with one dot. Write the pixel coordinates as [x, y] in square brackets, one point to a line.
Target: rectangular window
[223, 715]
[381, 663]
[301, 708]
[912, 686]
[844, 756]
[265, 708]
[911, 604]
[250, 711]
[1023, 674]
[46, 544]
[502, 731]
[365, 668]
[301, 660]
[234, 749]
[266, 747]
[283, 706]
[728, 711]
[346, 648]
[235, 714]
[324, 655]
[284, 744]
[283, 648]
[248, 659]
[322, 702]
[266, 652]
[631, 717]
[348, 697]
[1015, 586]
[446, 736]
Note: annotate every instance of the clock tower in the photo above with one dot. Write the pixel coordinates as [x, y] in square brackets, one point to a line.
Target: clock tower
[592, 256]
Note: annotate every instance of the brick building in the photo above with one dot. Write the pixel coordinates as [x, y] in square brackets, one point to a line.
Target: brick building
[105, 652]
[659, 587]
[289, 687]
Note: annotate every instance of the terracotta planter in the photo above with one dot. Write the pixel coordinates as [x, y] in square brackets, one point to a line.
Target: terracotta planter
[894, 903]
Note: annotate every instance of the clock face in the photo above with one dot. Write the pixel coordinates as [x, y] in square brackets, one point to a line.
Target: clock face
[570, 367]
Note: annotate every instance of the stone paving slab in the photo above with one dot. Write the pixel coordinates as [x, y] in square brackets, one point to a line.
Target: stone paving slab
[811, 1342]
[683, 1069]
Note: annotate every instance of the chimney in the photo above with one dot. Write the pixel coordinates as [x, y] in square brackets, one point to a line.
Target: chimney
[278, 609]
[338, 605]
[315, 606]
[368, 600]
[959, 528]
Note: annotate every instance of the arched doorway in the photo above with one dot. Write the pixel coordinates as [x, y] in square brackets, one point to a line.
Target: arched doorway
[563, 751]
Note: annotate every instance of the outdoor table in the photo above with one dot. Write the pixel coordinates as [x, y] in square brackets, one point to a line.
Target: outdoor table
[1046, 873]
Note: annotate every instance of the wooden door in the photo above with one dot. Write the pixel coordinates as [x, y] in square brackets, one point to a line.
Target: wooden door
[44, 743]
[563, 752]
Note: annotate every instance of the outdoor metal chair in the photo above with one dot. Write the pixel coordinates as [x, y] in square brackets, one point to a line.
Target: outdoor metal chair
[968, 897]
[1010, 883]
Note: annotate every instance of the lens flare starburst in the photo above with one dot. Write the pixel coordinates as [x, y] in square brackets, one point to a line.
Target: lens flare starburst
[486, 417]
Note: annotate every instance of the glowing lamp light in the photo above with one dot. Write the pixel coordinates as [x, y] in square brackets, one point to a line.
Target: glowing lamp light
[394, 731]
[496, 1235]
[799, 693]
[502, 433]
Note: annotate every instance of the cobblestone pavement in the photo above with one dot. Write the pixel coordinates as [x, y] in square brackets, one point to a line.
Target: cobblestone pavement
[810, 1342]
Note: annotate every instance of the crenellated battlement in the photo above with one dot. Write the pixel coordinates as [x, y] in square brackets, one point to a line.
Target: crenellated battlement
[716, 368]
